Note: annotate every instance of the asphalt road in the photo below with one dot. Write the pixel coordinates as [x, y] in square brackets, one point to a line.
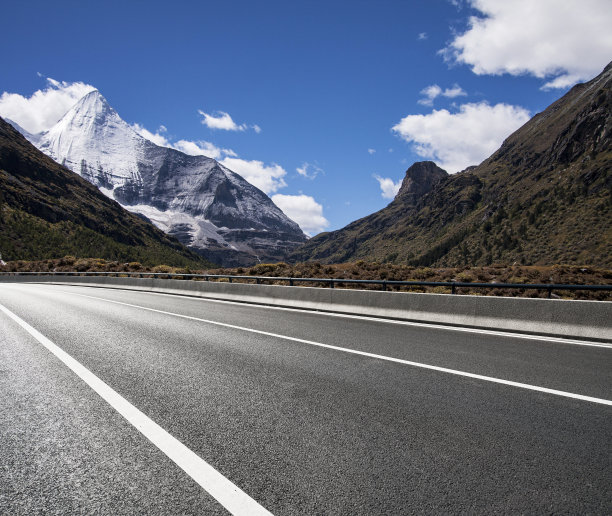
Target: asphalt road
[300, 428]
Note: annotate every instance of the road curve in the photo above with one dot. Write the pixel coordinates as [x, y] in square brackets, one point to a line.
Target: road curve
[305, 413]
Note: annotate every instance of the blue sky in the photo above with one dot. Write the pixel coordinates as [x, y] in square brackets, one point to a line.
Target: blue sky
[323, 104]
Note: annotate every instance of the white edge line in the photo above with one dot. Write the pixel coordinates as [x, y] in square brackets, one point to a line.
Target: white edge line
[456, 372]
[497, 333]
[219, 487]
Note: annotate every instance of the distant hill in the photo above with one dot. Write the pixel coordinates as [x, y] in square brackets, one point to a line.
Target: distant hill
[544, 197]
[47, 211]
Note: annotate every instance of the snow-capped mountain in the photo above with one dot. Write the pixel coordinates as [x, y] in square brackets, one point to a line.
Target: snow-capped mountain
[204, 204]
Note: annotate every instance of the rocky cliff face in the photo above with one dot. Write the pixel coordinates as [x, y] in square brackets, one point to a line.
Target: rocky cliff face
[545, 197]
[420, 178]
[204, 204]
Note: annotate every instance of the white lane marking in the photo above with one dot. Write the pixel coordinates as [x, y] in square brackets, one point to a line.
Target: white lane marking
[366, 354]
[219, 487]
[496, 333]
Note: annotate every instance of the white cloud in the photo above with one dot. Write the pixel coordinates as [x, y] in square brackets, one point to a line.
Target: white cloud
[563, 81]
[44, 108]
[221, 121]
[422, 36]
[256, 128]
[458, 140]
[268, 178]
[388, 188]
[434, 91]
[157, 138]
[304, 210]
[371, 151]
[455, 91]
[202, 148]
[309, 171]
[563, 41]
[193, 148]
[431, 92]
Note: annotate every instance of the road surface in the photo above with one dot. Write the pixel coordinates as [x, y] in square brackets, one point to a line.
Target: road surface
[288, 411]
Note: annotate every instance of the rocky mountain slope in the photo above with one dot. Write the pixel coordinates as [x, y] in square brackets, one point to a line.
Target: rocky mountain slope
[47, 211]
[204, 204]
[544, 197]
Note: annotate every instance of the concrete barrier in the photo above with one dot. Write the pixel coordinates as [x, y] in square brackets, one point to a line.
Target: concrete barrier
[574, 319]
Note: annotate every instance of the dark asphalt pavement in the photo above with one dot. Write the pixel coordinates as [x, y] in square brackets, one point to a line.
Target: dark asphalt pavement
[301, 429]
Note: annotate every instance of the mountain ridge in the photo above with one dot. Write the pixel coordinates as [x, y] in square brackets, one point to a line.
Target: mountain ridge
[238, 225]
[48, 211]
[543, 197]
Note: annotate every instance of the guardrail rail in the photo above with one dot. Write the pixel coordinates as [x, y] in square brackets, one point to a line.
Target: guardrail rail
[330, 282]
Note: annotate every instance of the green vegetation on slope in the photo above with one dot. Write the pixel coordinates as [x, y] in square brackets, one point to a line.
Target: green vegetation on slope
[47, 211]
[544, 197]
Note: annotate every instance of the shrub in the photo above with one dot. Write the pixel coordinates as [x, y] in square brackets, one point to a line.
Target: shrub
[162, 268]
[464, 277]
[81, 265]
[67, 260]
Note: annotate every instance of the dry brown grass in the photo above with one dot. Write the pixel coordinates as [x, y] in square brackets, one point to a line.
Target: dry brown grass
[560, 274]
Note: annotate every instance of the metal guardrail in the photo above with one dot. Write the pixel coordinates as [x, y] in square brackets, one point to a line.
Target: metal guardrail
[331, 282]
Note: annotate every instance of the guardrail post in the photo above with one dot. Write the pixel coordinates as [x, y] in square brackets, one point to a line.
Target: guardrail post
[384, 286]
[331, 283]
[291, 282]
[549, 292]
[230, 279]
[453, 289]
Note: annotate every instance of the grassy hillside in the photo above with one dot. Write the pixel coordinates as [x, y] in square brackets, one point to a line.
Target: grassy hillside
[545, 197]
[47, 211]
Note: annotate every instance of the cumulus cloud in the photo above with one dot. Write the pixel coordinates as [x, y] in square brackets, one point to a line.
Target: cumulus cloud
[309, 171]
[45, 107]
[304, 210]
[434, 91]
[193, 148]
[202, 148]
[564, 42]
[371, 151]
[156, 137]
[458, 140]
[256, 128]
[455, 91]
[268, 178]
[388, 187]
[431, 92]
[221, 120]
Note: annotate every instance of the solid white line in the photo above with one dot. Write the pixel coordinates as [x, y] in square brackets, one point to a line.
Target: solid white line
[495, 333]
[219, 487]
[366, 354]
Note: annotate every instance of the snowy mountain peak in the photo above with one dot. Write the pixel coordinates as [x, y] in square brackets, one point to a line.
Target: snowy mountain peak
[205, 205]
[95, 101]
[93, 140]
[92, 113]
